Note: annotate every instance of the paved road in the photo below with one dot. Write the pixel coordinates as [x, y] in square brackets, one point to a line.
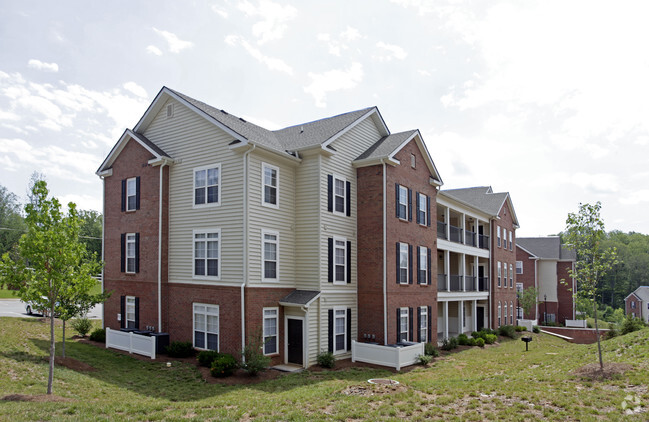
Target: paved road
[16, 308]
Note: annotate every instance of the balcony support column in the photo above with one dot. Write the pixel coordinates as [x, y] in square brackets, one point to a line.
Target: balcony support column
[447, 269]
[475, 274]
[460, 317]
[445, 317]
[474, 315]
[462, 271]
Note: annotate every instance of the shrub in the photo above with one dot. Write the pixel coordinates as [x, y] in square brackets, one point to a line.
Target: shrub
[449, 343]
[254, 360]
[180, 349]
[326, 359]
[536, 329]
[224, 366]
[631, 324]
[425, 359]
[206, 357]
[480, 342]
[475, 334]
[472, 342]
[507, 331]
[98, 335]
[82, 326]
[462, 340]
[520, 328]
[431, 350]
[489, 338]
[612, 332]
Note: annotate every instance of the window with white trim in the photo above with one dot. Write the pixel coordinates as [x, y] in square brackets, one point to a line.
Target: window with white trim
[271, 316]
[499, 273]
[519, 292]
[131, 194]
[511, 312]
[423, 323]
[423, 264]
[498, 234]
[422, 204]
[403, 324]
[207, 185]
[403, 202]
[413, 160]
[504, 238]
[511, 276]
[499, 313]
[130, 253]
[519, 267]
[340, 260]
[270, 188]
[206, 326]
[207, 261]
[270, 249]
[130, 312]
[505, 274]
[511, 244]
[403, 263]
[340, 197]
[632, 305]
[505, 312]
[340, 332]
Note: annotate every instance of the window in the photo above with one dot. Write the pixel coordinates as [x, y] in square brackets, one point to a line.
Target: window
[270, 189]
[499, 313]
[519, 267]
[131, 194]
[130, 312]
[504, 238]
[511, 312]
[207, 253]
[270, 330]
[498, 235]
[206, 326]
[422, 267]
[505, 313]
[403, 324]
[423, 324]
[340, 258]
[270, 242]
[340, 334]
[422, 209]
[338, 195]
[206, 185]
[511, 245]
[499, 273]
[413, 160]
[505, 275]
[511, 276]
[463, 314]
[632, 305]
[403, 263]
[402, 203]
[130, 253]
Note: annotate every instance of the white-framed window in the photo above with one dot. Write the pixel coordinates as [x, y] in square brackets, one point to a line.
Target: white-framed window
[207, 185]
[130, 253]
[423, 264]
[499, 313]
[505, 275]
[403, 263]
[511, 312]
[422, 202]
[403, 202]
[207, 252]
[511, 245]
[340, 330]
[498, 234]
[403, 324]
[270, 186]
[519, 267]
[130, 312]
[499, 272]
[340, 260]
[413, 160]
[131, 194]
[504, 238]
[206, 326]
[423, 323]
[340, 196]
[271, 318]
[511, 276]
[270, 250]
[632, 305]
[505, 312]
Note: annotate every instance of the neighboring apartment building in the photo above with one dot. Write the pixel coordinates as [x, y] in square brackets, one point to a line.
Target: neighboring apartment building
[311, 236]
[545, 264]
[476, 232]
[637, 303]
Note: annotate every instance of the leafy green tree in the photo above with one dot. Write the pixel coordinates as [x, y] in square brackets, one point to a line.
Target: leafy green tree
[527, 299]
[12, 224]
[584, 234]
[52, 266]
[90, 230]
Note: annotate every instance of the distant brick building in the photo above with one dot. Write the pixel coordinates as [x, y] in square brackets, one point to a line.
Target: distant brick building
[637, 303]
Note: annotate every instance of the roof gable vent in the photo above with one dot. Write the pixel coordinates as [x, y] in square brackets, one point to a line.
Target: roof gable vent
[170, 110]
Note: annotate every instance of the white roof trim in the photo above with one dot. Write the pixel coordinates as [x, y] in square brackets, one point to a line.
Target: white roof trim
[119, 146]
[352, 125]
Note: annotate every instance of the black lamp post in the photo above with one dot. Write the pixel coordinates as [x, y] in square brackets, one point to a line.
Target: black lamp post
[545, 316]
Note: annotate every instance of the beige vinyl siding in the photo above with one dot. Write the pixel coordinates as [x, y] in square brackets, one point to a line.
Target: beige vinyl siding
[281, 220]
[194, 142]
[343, 300]
[548, 280]
[307, 223]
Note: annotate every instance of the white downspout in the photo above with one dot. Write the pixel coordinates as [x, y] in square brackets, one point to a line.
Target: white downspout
[385, 270]
[245, 247]
[103, 241]
[160, 249]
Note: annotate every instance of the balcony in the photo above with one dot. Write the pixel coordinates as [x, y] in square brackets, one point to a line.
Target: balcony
[456, 283]
[469, 283]
[469, 238]
[441, 282]
[455, 234]
[483, 284]
[441, 230]
[483, 241]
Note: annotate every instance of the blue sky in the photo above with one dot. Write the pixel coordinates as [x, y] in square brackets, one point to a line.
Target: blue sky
[547, 100]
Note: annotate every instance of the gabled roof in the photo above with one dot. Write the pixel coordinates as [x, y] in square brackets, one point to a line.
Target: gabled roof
[641, 293]
[128, 134]
[546, 248]
[484, 199]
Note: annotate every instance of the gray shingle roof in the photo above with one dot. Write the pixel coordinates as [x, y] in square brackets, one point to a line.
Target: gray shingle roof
[546, 247]
[643, 293]
[153, 146]
[300, 297]
[481, 197]
[386, 145]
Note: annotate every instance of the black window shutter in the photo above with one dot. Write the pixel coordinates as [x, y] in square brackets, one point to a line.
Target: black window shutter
[124, 195]
[419, 324]
[409, 204]
[137, 313]
[398, 325]
[410, 264]
[398, 264]
[123, 252]
[331, 331]
[330, 266]
[330, 193]
[411, 334]
[348, 199]
[137, 193]
[417, 210]
[428, 211]
[137, 252]
[430, 322]
[122, 311]
[349, 329]
[419, 263]
[396, 198]
[349, 262]
[429, 272]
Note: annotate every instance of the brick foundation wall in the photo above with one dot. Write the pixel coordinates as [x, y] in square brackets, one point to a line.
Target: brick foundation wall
[578, 335]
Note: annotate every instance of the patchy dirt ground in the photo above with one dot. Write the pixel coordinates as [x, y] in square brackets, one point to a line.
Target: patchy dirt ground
[36, 398]
[592, 371]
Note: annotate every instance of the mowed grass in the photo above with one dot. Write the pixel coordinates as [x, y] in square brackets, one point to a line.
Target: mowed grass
[8, 294]
[495, 383]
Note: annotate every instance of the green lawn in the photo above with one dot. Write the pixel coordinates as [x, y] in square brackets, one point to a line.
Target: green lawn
[495, 383]
[7, 294]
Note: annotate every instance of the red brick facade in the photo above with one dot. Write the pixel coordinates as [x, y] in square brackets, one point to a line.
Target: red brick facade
[565, 293]
[633, 306]
[506, 293]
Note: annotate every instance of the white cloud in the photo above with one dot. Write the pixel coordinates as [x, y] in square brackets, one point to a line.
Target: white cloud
[635, 197]
[175, 44]
[596, 183]
[274, 19]
[333, 80]
[271, 63]
[220, 12]
[39, 65]
[136, 89]
[152, 49]
[392, 52]
[350, 34]
[336, 46]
